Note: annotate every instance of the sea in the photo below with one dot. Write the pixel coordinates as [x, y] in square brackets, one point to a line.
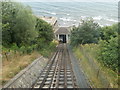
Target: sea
[71, 13]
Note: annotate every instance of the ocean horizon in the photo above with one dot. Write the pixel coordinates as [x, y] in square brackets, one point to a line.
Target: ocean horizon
[71, 13]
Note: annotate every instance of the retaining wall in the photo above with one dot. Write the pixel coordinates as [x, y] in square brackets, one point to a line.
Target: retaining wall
[29, 75]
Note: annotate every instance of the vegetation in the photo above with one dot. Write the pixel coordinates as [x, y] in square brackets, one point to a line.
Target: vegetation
[23, 35]
[87, 32]
[22, 31]
[18, 24]
[45, 34]
[106, 47]
[99, 75]
[15, 64]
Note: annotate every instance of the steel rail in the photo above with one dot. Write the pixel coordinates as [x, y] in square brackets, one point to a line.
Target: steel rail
[48, 71]
[59, 71]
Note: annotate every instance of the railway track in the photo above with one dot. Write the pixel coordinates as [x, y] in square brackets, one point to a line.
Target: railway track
[58, 73]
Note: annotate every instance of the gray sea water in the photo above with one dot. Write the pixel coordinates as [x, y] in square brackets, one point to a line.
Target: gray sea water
[71, 13]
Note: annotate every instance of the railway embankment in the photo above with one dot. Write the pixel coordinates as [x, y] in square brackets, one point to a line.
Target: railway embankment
[26, 77]
[60, 71]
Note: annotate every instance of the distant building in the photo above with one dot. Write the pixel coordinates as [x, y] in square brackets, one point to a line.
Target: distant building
[51, 20]
[62, 34]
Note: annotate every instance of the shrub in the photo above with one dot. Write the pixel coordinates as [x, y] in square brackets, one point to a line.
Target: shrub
[108, 47]
[87, 32]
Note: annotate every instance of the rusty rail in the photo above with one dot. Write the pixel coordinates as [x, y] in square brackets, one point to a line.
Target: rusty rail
[58, 73]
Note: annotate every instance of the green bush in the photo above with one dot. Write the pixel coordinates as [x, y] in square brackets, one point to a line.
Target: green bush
[108, 47]
[22, 49]
[14, 47]
[52, 46]
[29, 49]
[87, 32]
[18, 24]
[24, 32]
[48, 49]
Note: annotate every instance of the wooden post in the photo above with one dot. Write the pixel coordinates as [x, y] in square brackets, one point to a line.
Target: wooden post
[6, 56]
[98, 72]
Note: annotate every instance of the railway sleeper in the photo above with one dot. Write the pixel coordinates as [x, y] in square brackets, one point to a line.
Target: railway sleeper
[45, 86]
[47, 82]
[36, 86]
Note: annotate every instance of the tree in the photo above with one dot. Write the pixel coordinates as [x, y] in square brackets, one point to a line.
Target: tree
[108, 47]
[87, 32]
[25, 26]
[45, 33]
[109, 31]
[108, 53]
[18, 24]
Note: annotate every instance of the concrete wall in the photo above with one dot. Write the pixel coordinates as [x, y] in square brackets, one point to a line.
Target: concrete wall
[29, 75]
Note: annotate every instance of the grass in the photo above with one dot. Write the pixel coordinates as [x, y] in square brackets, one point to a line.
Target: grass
[47, 51]
[11, 67]
[87, 68]
[91, 51]
[13, 62]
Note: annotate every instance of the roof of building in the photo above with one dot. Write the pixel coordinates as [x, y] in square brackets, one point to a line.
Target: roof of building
[62, 30]
[50, 20]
